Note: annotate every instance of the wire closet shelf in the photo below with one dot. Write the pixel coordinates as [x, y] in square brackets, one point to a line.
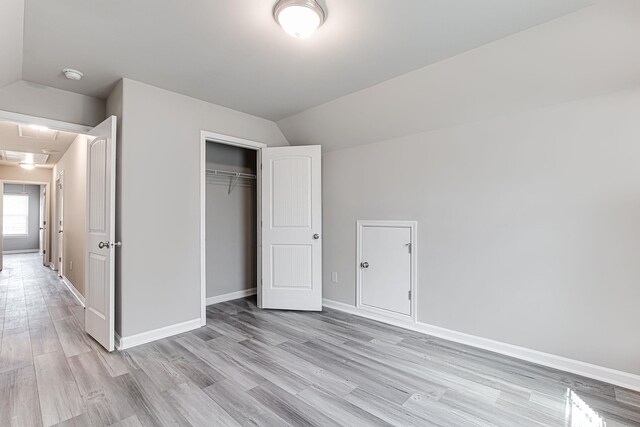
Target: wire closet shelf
[234, 177]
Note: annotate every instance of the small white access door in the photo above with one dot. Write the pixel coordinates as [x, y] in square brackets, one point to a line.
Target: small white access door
[291, 243]
[100, 260]
[385, 267]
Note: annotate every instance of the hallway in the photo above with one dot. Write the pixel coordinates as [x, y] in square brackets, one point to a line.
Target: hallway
[42, 331]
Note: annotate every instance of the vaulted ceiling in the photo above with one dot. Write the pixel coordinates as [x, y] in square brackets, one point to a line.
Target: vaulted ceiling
[232, 53]
[591, 52]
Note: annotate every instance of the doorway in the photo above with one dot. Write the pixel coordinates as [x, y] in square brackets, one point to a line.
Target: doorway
[231, 215]
[91, 175]
[24, 209]
[229, 265]
[288, 220]
[386, 268]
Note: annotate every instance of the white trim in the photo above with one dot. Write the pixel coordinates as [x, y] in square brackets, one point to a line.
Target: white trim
[206, 136]
[413, 228]
[21, 251]
[76, 293]
[203, 230]
[51, 124]
[600, 373]
[123, 343]
[231, 296]
[230, 140]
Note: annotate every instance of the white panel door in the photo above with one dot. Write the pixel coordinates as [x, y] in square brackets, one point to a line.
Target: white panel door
[291, 244]
[386, 268]
[43, 224]
[100, 267]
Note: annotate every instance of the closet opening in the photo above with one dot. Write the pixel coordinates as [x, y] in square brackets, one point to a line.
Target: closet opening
[230, 264]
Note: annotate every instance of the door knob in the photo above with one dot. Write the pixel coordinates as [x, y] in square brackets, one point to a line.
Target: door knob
[316, 236]
[103, 245]
[364, 264]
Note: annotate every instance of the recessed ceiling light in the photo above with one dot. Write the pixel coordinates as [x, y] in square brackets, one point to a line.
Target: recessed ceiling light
[27, 166]
[72, 74]
[299, 18]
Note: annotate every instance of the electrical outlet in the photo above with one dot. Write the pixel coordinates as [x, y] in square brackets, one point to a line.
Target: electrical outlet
[70, 265]
[334, 277]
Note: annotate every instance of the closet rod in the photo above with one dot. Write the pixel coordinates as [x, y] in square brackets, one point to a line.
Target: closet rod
[231, 174]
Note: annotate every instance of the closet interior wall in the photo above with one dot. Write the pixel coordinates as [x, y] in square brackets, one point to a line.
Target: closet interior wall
[231, 221]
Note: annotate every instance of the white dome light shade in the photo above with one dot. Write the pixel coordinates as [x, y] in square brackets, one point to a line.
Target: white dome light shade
[299, 18]
[27, 166]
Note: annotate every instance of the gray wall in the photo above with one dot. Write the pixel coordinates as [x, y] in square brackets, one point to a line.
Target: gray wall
[32, 241]
[231, 222]
[158, 208]
[528, 225]
[42, 101]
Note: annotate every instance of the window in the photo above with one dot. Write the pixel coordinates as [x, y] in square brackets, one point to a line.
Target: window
[16, 215]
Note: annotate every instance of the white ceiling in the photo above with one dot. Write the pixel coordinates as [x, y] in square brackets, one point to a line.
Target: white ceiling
[34, 141]
[232, 53]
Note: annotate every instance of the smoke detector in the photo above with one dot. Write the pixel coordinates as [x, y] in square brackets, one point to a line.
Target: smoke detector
[72, 74]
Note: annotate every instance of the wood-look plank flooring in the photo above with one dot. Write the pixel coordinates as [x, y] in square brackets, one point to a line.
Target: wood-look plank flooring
[270, 368]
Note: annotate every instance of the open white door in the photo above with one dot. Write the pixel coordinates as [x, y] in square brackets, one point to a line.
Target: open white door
[43, 224]
[100, 267]
[291, 245]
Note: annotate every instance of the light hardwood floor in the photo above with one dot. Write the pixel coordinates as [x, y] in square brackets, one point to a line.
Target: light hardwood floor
[252, 367]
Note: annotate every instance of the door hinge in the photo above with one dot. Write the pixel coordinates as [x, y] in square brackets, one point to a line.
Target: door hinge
[409, 294]
[408, 245]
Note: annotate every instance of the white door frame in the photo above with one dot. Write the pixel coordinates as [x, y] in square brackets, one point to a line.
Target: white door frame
[206, 136]
[59, 261]
[413, 227]
[47, 213]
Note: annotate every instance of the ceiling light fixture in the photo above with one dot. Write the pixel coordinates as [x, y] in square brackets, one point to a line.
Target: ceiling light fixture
[299, 18]
[27, 166]
[72, 74]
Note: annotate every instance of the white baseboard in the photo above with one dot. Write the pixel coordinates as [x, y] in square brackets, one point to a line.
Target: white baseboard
[123, 343]
[231, 296]
[22, 251]
[600, 373]
[73, 290]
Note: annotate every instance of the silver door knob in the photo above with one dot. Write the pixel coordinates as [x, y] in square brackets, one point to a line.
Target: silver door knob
[364, 264]
[316, 236]
[103, 245]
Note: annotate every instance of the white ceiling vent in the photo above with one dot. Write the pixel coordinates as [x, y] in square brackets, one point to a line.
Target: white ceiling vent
[21, 157]
[37, 132]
